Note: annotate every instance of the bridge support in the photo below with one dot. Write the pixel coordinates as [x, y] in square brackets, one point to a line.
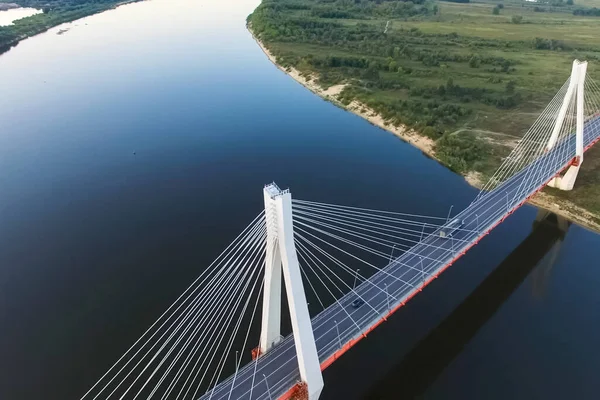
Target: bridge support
[281, 256]
[576, 88]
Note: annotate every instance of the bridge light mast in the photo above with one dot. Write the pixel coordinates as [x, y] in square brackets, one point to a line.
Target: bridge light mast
[281, 256]
[576, 87]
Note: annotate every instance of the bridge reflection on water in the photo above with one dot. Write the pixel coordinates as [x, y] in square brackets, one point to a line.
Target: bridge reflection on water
[426, 361]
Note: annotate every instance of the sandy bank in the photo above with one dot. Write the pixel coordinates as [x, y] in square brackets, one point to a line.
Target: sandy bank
[568, 210]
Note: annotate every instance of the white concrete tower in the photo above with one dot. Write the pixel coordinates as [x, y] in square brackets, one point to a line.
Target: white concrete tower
[271, 311]
[576, 87]
[281, 255]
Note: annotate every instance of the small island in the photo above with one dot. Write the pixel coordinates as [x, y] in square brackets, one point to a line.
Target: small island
[461, 80]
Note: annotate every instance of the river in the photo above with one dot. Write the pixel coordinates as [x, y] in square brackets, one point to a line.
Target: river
[135, 146]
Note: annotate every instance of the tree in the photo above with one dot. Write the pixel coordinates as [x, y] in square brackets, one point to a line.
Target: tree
[496, 11]
[474, 62]
[570, 2]
[430, 131]
[517, 19]
[510, 87]
[500, 6]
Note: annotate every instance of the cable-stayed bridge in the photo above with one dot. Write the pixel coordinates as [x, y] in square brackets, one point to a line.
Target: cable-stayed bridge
[345, 269]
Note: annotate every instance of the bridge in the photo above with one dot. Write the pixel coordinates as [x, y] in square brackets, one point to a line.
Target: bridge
[427, 360]
[346, 270]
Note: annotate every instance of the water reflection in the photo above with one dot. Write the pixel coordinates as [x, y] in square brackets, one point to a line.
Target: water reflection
[541, 274]
[428, 359]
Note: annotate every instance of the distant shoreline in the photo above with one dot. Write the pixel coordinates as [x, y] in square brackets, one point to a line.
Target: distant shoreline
[542, 200]
[37, 30]
[8, 6]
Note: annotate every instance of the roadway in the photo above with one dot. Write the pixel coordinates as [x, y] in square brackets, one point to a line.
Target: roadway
[340, 325]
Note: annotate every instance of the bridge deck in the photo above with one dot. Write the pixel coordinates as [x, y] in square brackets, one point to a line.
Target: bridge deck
[276, 372]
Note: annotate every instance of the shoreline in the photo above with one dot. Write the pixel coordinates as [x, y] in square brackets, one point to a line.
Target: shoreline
[410, 136]
[560, 207]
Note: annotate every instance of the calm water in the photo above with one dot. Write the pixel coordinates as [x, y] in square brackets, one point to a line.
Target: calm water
[95, 242]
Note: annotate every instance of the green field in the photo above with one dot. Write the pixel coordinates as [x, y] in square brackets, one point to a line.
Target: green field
[471, 78]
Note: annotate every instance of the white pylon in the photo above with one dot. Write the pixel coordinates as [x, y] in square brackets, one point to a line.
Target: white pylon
[576, 87]
[281, 255]
[271, 310]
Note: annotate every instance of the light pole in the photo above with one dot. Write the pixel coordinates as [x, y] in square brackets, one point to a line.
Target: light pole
[392, 254]
[338, 334]
[477, 216]
[355, 277]
[422, 269]
[387, 297]
[237, 364]
[422, 232]
[268, 389]
[449, 212]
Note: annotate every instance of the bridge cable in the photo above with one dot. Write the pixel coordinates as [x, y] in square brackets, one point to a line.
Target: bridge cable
[185, 296]
[370, 220]
[176, 315]
[194, 320]
[529, 146]
[193, 307]
[420, 233]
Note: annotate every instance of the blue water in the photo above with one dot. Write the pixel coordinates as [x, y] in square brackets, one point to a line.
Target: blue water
[96, 241]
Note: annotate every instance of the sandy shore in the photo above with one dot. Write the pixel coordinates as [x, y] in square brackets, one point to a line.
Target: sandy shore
[426, 145]
[566, 209]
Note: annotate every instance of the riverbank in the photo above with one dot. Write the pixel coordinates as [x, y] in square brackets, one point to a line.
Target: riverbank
[331, 94]
[560, 207]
